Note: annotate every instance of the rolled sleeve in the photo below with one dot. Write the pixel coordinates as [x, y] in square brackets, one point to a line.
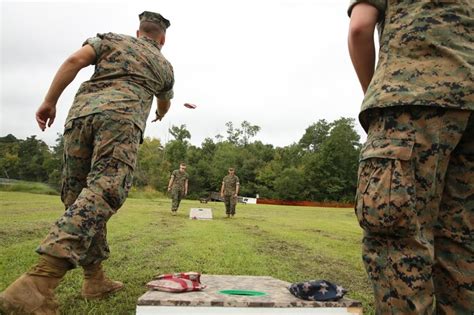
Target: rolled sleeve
[165, 95]
[166, 92]
[96, 43]
[381, 5]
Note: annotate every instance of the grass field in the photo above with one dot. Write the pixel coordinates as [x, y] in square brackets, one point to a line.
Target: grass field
[24, 186]
[288, 243]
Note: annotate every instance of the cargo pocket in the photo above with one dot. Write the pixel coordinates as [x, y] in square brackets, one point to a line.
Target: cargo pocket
[127, 150]
[126, 155]
[67, 197]
[385, 198]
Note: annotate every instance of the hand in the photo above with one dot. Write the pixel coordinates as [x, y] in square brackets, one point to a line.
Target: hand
[185, 193]
[169, 188]
[158, 117]
[222, 195]
[45, 115]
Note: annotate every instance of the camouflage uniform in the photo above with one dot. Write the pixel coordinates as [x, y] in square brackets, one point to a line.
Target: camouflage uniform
[178, 188]
[230, 183]
[102, 134]
[416, 172]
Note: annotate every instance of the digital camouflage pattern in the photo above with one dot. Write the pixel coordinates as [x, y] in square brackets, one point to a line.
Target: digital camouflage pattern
[178, 188]
[179, 180]
[230, 203]
[416, 168]
[230, 185]
[415, 203]
[128, 73]
[426, 55]
[147, 16]
[102, 133]
[100, 153]
[176, 197]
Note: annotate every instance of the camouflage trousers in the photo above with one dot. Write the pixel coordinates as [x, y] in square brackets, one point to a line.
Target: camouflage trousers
[99, 157]
[415, 203]
[176, 196]
[230, 202]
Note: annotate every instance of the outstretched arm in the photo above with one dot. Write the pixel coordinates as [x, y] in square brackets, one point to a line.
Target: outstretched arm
[361, 42]
[65, 75]
[161, 110]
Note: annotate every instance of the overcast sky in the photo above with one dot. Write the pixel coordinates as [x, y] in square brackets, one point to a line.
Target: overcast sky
[279, 64]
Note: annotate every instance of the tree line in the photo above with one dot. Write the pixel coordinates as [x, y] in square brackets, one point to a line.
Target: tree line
[321, 166]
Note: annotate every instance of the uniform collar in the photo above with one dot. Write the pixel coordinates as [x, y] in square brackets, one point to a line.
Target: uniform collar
[151, 41]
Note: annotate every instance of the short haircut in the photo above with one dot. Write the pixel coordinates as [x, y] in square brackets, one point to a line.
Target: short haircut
[182, 164]
[151, 28]
[231, 169]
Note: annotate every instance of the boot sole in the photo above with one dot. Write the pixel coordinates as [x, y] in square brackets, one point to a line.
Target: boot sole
[101, 294]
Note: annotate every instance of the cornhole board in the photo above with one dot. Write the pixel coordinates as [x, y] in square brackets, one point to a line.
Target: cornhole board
[200, 213]
[278, 300]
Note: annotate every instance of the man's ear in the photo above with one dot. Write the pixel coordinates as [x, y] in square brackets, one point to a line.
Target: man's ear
[162, 39]
[138, 33]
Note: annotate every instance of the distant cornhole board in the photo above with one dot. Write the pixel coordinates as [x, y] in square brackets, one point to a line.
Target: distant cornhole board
[200, 213]
[249, 295]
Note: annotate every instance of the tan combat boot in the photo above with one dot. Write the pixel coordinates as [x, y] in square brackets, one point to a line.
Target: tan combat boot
[96, 284]
[33, 292]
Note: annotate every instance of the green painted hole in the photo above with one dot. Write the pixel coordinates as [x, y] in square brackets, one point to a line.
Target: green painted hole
[242, 292]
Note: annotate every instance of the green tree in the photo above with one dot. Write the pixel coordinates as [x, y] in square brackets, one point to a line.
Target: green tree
[226, 155]
[322, 165]
[208, 148]
[54, 165]
[233, 134]
[200, 170]
[175, 150]
[180, 134]
[242, 135]
[315, 135]
[9, 160]
[252, 158]
[332, 171]
[269, 182]
[33, 155]
[290, 183]
[149, 171]
[248, 131]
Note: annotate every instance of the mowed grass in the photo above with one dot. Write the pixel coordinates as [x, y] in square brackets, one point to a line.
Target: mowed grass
[25, 186]
[289, 243]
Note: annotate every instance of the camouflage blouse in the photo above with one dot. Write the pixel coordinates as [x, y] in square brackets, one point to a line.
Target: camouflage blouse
[230, 184]
[128, 73]
[426, 54]
[179, 179]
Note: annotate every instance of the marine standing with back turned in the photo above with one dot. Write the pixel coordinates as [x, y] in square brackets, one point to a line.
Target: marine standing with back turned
[102, 133]
[416, 172]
